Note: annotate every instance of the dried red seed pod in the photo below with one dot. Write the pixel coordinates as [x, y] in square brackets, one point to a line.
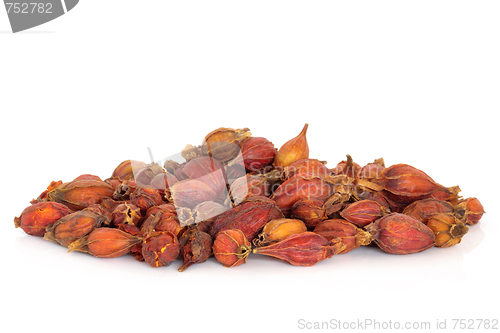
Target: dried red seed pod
[44, 195]
[348, 168]
[113, 182]
[81, 193]
[304, 249]
[366, 194]
[36, 218]
[125, 170]
[424, 209]
[250, 185]
[127, 213]
[350, 235]
[209, 171]
[469, 210]
[310, 211]
[372, 170]
[293, 150]
[223, 144]
[196, 247]
[306, 187]
[163, 181]
[306, 167]
[231, 248]
[191, 192]
[401, 234]
[160, 248]
[258, 153]
[447, 229]
[105, 243]
[208, 211]
[363, 212]
[249, 217]
[279, 229]
[124, 190]
[144, 176]
[73, 226]
[145, 198]
[191, 152]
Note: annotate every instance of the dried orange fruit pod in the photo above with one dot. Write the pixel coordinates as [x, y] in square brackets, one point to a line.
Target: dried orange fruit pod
[469, 210]
[145, 198]
[311, 211]
[279, 229]
[348, 168]
[350, 235]
[401, 234]
[160, 248]
[191, 192]
[372, 170]
[293, 150]
[81, 193]
[125, 170]
[249, 185]
[258, 153]
[36, 218]
[447, 229]
[105, 243]
[424, 209]
[231, 248]
[196, 248]
[363, 212]
[223, 144]
[304, 167]
[74, 226]
[304, 249]
[126, 213]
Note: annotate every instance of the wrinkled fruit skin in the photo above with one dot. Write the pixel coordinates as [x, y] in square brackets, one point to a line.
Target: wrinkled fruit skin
[231, 248]
[305, 167]
[145, 198]
[249, 217]
[81, 193]
[257, 153]
[189, 193]
[125, 170]
[160, 248]
[351, 236]
[126, 214]
[423, 210]
[207, 170]
[106, 243]
[37, 217]
[447, 229]
[401, 234]
[293, 150]
[304, 249]
[363, 212]
[469, 210]
[249, 185]
[196, 247]
[310, 211]
[74, 226]
[279, 229]
[223, 144]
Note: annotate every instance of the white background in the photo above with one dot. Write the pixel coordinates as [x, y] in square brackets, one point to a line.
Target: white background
[414, 82]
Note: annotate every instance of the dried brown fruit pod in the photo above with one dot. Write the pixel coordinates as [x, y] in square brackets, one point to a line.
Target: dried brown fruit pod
[44, 195]
[372, 170]
[191, 192]
[160, 248]
[306, 166]
[279, 229]
[73, 226]
[348, 168]
[363, 212]
[469, 210]
[249, 185]
[293, 150]
[231, 248]
[223, 144]
[258, 153]
[81, 193]
[127, 213]
[145, 198]
[209, 171]
[448, 230]
[401, 234]
[125, 170]
[350, 235]
[36, 218]
[208, 211]
[124, 190]
[105, 243]
[191, 152]
[196, 247]
[249, 217]
[304, 249]
[424, 209]
[311, 211]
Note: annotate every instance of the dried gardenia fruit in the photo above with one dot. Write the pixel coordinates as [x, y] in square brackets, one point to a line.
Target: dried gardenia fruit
[350, 235]
[293, 150]
[304, 249]
[105, 243]
[190, 152]
[249, 217]
[249, 185]
[191, 192]
[127, 213]
[372, 170]
[279, 229]
[424, 209]
[401, 234]
[144, 176]
[209, 171]
[81, 193]
[196, 247]
[145, 198]
[469, 210]
[348, 168]
[258, 153]
[231, 248]
[310, 211]
[124, 190]
[447, 229]
[305, 167]
[125, 170]
[208, 211]
[223, 143]
[73, 226]
[35, 218]
[363, 212]
[44, 195]
[160, 248]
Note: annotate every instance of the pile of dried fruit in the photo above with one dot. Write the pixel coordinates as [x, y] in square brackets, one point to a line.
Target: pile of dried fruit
[235, 192]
